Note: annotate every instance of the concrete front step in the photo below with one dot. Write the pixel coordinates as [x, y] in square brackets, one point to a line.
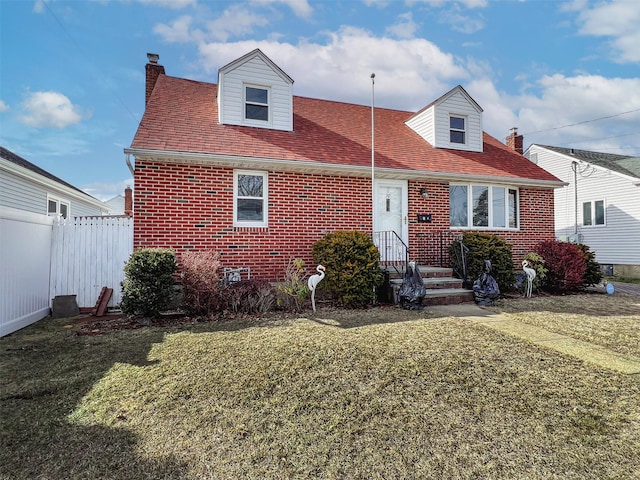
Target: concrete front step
[447, 296]
[433, 282]
[442, 287]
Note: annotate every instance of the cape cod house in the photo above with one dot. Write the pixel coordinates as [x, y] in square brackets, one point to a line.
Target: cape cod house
[248, 169]
[600, 206]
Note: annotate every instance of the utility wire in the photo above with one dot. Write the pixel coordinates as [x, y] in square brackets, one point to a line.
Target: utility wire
[582, 123]
[46, 4]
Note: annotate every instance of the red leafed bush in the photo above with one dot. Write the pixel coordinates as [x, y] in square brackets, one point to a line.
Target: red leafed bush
[566, 265]
[201, 282]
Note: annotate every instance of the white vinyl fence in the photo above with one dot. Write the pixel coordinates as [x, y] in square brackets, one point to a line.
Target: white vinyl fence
[25, 254]
[88, 253]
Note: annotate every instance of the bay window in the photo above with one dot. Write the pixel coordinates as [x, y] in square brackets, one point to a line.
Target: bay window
[483, 206]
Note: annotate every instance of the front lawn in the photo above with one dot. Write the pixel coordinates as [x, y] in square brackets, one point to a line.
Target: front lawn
[383, 393]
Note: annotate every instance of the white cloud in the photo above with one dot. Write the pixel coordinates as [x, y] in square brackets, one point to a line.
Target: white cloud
[174, 4]
[619, 20]
[462, 23]
[410, 73]
[301, 8]
[179, 31]
[3, 106]
[570, 100]
[49, 109]
[106, 190]
[237, 20]
[404, 27]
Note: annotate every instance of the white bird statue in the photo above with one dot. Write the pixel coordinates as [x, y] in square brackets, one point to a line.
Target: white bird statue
[531, 275]
[313, 282]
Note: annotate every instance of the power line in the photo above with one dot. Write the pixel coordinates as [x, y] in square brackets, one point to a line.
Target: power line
[604, 138]
[73, 41]
[582, 123]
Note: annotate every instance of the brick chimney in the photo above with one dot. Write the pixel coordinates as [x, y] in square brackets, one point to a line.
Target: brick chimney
[514, 141]
[128, 201]
[153, 71]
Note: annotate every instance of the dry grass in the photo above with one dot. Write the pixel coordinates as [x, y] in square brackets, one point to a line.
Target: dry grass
[609, 321]
[384, 393]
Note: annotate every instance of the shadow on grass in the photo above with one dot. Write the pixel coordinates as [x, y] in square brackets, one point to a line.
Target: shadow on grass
[45, 371]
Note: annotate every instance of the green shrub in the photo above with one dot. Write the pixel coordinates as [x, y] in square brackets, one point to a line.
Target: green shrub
[566, 265]
[485, 246]
[593, 272]
[352, 263]
[147, 288]
[537, 263]
[201, 282]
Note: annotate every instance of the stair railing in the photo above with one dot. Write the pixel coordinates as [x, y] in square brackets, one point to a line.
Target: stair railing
[394, 253]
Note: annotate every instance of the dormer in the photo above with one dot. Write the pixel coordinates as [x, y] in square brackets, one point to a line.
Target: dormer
[453, 121]
[254, 92]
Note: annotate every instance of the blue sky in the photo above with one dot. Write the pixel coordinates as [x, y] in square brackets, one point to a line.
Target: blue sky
[72, 72]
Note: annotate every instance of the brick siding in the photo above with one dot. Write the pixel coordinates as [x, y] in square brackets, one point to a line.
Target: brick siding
[190, 207]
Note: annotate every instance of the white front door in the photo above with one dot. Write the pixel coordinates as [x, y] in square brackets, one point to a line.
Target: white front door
[391, 206]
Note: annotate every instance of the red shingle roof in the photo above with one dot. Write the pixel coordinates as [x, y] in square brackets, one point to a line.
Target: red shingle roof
[182, 115]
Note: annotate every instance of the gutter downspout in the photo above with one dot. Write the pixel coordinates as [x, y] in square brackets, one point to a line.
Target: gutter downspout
[574, 167]
[131, 167]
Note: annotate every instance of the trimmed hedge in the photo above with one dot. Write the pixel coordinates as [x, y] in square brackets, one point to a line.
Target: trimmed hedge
[147, 288]
[352, 262]
[485, 246]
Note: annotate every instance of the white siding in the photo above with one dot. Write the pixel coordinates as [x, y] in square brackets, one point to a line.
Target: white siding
[256, 72]
[25, 255]
[617, 242]
[422, 124]
[457, 104]
[30, 196]
[432, 123]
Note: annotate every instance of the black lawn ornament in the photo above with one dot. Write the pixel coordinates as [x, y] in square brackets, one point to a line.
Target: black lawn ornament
[485, 288]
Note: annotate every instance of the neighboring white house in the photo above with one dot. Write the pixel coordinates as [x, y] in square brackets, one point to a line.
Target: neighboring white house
[601, 205]
[31, 199]
[25, 186]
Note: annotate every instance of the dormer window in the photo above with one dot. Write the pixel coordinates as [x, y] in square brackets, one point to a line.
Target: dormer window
[457, 129]
[256, 105]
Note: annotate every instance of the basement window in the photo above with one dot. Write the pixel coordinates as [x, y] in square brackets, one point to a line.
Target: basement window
[250, 198]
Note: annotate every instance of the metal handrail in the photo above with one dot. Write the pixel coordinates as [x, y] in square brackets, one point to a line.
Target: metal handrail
[394, 253]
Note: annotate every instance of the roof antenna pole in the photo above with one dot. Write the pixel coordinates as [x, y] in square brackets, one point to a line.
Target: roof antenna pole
[373, 157]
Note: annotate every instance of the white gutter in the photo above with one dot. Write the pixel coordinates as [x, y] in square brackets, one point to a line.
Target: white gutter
[239, 161]
[128, 160]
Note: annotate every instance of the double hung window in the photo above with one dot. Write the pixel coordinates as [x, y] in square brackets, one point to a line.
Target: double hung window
[250, 198]
[457, 129]
[256, 103]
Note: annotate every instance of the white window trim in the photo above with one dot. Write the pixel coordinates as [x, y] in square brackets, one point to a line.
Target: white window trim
[269, 106]
[490, 186]
[59, 201]
[593, 213]
[465, 131]
[265, 199]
